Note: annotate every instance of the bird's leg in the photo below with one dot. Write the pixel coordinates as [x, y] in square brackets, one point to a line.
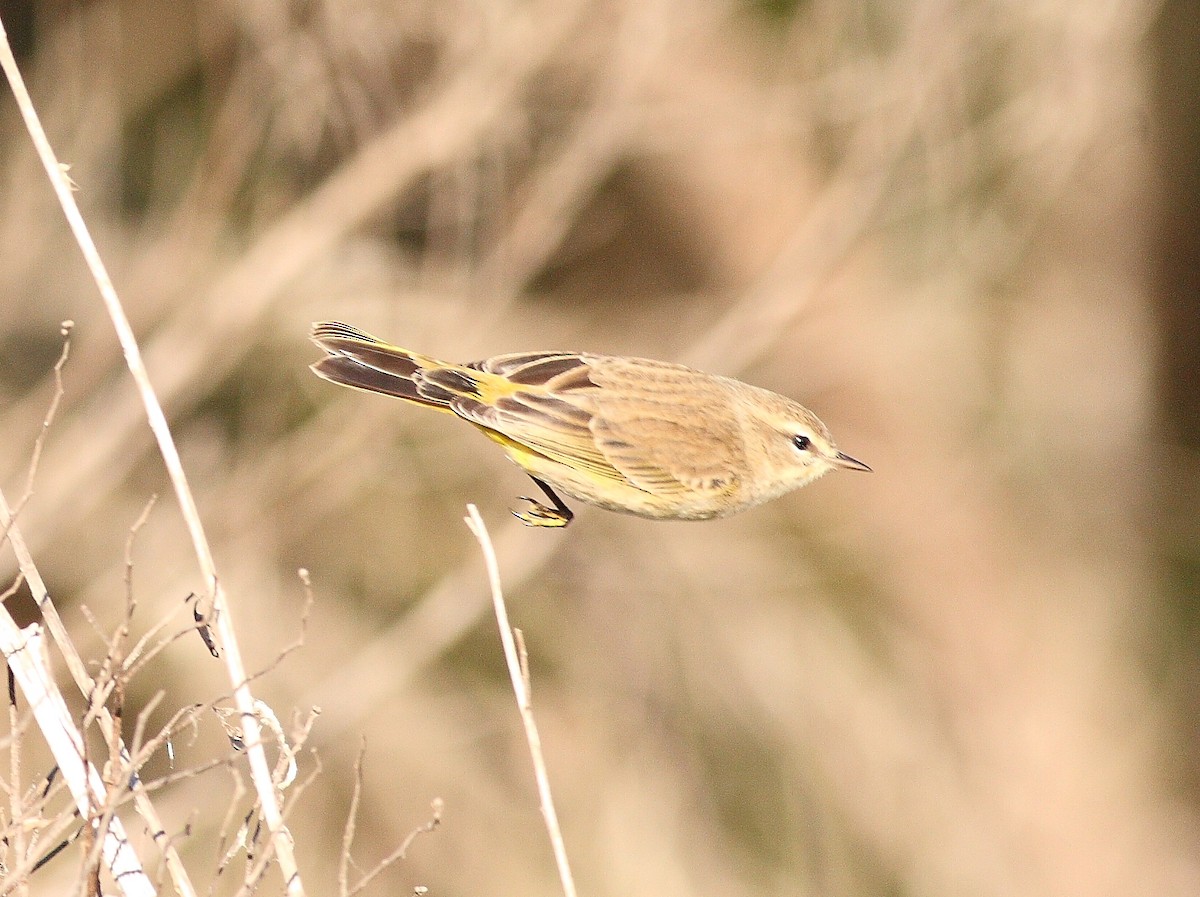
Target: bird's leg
[539, 514]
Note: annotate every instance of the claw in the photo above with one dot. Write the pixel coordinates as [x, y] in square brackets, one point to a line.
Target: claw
[539, 514]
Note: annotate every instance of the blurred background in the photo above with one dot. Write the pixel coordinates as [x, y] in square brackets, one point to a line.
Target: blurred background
[964, 233]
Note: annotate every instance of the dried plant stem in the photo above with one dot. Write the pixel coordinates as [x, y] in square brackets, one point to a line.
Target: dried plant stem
[259, 770]
[520, 682]
[351, 824]
[16, 803]
[86, 684]
[24, 651]
[400, 852]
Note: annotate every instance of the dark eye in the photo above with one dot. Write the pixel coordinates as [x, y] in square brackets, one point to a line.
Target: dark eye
[802, 442]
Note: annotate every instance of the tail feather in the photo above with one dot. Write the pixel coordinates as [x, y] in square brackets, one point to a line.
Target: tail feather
[342, 339]
[357, 359]
[348, 372]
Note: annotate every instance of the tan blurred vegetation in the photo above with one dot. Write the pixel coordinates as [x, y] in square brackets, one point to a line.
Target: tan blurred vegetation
[930, 222]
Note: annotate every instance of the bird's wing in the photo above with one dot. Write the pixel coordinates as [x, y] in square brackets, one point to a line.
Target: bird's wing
[549, 372]
[668, 429]
[551, 427]
[640, 423]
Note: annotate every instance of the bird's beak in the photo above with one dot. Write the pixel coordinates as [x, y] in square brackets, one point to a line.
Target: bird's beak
[841, 459]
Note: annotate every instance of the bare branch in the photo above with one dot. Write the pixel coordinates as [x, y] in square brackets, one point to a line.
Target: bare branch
[401, 852]
[351, 823]
[524, 702]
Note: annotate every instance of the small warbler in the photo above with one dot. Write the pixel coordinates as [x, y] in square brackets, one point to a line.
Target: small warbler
[627, 434]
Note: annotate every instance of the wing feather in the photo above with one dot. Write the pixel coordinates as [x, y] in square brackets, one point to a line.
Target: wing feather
[552, 432]
[654, 424]
[629, 421]
[551, 372]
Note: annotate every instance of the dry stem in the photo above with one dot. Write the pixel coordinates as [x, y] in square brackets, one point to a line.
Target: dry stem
[516, 672]
[260, 772]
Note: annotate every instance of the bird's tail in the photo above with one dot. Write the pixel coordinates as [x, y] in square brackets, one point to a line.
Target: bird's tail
[357, 359]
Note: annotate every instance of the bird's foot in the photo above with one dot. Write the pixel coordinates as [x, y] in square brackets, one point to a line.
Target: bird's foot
[538, 514]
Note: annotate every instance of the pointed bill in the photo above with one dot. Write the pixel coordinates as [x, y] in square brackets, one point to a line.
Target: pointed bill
[841, 459]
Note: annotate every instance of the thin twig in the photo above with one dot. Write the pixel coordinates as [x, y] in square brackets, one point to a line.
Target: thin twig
[402, 851]
[49, 708]
[24, 650]
[39, 444]
[259, 771]
[56, 830]
[351, 823]
[524, 703]
[16, 807]
[53, 622]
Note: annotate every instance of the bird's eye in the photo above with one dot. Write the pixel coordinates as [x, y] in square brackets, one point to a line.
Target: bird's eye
[802, 442]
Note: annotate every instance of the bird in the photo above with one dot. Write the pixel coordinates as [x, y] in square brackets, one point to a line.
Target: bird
[643, 437]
